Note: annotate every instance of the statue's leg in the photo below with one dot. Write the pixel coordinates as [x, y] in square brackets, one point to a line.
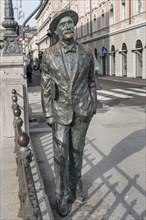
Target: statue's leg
[78, 133]
[61, 146]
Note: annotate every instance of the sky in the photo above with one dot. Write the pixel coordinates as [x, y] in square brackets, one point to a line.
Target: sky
[23, 8]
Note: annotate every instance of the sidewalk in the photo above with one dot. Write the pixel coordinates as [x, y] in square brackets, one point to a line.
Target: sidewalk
[9, 201]
[9, 182]
[9, 186]
[113, 167]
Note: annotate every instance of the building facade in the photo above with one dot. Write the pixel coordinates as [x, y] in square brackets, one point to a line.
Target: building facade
[116, 31]
[1, 20]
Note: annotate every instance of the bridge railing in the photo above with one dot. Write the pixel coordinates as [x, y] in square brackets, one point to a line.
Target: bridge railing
[29, 204]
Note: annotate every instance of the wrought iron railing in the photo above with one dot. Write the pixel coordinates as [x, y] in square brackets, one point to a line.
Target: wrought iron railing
[29, 204]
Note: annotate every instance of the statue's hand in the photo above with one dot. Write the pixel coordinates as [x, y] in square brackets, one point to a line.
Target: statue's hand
[50, 121]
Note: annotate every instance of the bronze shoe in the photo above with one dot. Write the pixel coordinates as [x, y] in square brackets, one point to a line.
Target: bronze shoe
[80, 196]
[62, 208]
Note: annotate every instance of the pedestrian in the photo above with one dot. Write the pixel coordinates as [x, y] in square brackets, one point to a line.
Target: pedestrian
[29, 72]
[69, 102]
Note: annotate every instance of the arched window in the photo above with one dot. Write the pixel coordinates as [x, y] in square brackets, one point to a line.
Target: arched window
[123, 9]
[81, 29]
[113, 60]
[139, 6]
[102, 19]
[113, 49]
[124, 47]
[94, 23]
[139, 58]
[111, 13]
[139, 45]
[124, 59]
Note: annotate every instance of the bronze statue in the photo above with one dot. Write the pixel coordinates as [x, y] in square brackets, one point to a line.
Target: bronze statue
[69, 101]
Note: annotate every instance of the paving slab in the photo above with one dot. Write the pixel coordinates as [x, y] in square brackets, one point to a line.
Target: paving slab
[113, 168]
[9, 206]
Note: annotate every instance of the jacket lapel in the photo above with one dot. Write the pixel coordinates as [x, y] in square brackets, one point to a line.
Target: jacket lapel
[78, 66]
[81, 58]
[59, 63]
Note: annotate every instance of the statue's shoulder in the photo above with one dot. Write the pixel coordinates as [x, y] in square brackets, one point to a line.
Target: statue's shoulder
[50, 49]
[86, 48]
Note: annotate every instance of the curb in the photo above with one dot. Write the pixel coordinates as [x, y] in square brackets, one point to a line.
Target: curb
[124, 80]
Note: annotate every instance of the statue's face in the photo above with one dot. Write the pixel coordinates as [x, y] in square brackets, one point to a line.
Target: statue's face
[65, 28]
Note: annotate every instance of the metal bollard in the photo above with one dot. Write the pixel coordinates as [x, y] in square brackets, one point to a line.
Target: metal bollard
[29, 205]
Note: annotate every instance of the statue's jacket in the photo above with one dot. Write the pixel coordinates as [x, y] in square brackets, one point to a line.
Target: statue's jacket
[62, 96]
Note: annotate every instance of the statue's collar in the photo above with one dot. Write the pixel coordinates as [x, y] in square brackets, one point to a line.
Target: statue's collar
[63, 45]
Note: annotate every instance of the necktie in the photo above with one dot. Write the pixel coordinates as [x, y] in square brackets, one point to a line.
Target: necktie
[71, 48]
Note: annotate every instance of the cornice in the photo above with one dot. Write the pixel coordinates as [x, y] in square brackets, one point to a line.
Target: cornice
[113, 33]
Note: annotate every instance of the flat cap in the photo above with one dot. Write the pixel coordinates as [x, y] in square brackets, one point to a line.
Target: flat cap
[59, 15]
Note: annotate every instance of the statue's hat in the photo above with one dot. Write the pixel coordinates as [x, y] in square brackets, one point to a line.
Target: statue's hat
[59, 15]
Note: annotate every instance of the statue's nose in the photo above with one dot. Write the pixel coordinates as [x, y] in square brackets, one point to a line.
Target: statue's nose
[67, 25]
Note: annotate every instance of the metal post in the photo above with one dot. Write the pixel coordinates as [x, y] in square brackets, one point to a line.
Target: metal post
[25, 22]
[11, 46]
[29, 204]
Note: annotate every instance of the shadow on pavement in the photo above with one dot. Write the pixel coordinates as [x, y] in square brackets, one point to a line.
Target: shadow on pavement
[130, 145]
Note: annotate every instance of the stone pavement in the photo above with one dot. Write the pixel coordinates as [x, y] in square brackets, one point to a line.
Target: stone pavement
[9, 186]
[10, 204]
[114, 162]
[113, 169]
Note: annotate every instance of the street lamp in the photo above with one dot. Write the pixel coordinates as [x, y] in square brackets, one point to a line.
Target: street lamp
[10, 36]
[23, 33]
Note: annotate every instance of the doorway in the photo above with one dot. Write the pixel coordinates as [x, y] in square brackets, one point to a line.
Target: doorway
[124, 59]
[113, 60]
[139, 58]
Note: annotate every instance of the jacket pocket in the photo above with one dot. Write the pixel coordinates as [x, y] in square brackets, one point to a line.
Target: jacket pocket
[54, 91]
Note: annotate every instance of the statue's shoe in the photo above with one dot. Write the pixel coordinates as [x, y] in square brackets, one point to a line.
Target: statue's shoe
[80, 197]
[62, 208]
[71, 197]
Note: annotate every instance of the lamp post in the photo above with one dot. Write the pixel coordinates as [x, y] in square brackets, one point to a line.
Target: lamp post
[25, 22]
[11, 46]
[23, 34]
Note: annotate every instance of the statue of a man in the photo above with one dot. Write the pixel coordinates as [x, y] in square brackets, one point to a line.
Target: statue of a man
[69, 101]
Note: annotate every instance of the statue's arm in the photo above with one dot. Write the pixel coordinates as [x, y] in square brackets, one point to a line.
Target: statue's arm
[92, 81]
[46, 89]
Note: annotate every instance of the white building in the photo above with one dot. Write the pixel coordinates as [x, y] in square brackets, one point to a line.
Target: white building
[115, 29]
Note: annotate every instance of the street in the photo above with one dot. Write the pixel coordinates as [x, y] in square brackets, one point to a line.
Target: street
[114, 156]
[122, 93]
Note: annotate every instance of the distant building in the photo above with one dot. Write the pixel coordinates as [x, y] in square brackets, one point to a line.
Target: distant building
[115, 29]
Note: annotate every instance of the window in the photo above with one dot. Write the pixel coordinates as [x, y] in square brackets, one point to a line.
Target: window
[81, 29]
[111, 14]
[94, 23]
[123, 2]
[139, 6]
[102, 18]
[123, 9]
[88, 26]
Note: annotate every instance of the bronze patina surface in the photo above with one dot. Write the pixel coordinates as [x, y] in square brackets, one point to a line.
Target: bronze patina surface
[69, 101]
